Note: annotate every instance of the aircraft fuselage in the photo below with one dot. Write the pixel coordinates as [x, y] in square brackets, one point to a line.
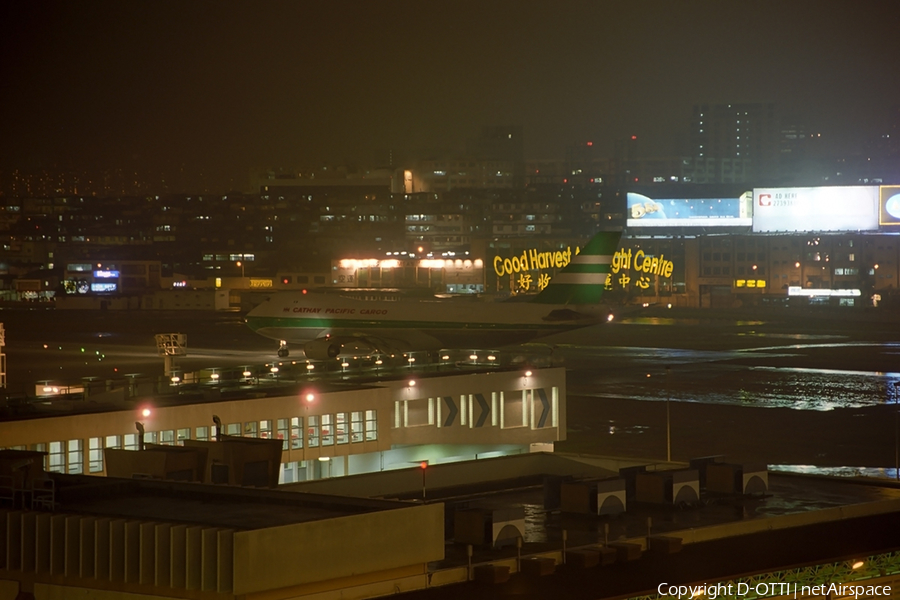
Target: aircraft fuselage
[418, 325]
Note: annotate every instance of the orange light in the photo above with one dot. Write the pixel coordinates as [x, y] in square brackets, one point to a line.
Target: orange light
[423, 464]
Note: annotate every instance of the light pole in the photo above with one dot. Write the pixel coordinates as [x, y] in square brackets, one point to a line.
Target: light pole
[424, 466]
[897, 430]
[668, 420]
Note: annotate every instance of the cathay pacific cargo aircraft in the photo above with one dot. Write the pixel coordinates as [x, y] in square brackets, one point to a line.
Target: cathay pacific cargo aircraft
[329, 326]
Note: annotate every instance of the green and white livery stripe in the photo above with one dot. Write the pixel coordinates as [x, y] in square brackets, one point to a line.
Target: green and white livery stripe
[582, 281]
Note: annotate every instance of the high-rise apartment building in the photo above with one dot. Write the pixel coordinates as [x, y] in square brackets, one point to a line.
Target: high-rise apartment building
[739, 131]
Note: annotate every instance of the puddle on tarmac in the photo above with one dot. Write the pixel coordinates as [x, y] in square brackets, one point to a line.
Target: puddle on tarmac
[879, 472]
[766, 387]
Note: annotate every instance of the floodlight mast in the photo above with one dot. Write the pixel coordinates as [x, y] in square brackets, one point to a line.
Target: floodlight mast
[170, 346]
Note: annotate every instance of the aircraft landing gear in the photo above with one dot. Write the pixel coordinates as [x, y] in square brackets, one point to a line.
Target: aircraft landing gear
[283, 351]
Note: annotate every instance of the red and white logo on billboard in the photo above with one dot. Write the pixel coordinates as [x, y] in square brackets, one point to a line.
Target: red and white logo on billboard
[765, 199]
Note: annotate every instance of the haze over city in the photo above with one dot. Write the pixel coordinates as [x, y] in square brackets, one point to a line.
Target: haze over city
[209, 90]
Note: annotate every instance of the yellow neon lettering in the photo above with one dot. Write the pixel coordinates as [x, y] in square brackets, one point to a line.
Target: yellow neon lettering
[498, 269]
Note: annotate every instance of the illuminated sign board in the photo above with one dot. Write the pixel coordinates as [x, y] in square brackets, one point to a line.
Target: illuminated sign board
[889, 206]
[749, 283]
[103, 287]
[532, 260]
[106, 274]
[260, 283]
[628, 268]
[813, 293]
[689, 212]
[850, 208]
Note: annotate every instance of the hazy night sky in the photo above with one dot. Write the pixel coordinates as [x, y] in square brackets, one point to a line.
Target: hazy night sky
[220, 86]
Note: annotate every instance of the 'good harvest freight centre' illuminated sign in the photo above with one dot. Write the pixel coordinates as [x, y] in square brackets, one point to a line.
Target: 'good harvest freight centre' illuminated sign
[623, 262]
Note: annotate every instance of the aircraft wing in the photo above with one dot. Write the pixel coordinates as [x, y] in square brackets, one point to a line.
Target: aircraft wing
[342, 342]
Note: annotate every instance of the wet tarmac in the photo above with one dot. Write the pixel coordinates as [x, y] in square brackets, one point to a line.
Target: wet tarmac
[819, 390]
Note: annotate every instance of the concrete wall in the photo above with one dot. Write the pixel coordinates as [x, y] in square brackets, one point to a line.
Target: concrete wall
[304, 553]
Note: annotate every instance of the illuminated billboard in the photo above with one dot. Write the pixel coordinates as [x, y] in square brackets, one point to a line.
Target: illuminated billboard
[889, 206]
[850, 208]
[103, 287]
[644, 211]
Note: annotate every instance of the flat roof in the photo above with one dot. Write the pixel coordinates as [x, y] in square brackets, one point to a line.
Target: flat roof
[229, 507]
[518, 483]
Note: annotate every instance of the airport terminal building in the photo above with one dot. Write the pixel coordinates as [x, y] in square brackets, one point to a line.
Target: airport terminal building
[326, 429]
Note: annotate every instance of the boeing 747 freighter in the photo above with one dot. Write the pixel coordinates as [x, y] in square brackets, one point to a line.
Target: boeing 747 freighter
[329, 326]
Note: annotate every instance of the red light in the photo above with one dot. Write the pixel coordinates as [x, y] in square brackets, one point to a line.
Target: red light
[590, 143]
[304, 291]
[635, 179]
[634, 137]
[565, 181]
[284, 280]
[423, 464]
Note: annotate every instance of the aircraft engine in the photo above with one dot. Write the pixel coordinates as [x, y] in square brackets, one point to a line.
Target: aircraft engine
[321, 349]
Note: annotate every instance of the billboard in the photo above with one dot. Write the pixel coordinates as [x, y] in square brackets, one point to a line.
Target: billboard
[644, 211]
[850, 208]
[889, 207]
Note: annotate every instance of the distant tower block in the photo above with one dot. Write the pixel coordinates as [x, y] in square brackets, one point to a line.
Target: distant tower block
[170, 345]
[2, 358]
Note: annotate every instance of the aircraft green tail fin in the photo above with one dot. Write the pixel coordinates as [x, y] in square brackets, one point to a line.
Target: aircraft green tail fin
[583, 280]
